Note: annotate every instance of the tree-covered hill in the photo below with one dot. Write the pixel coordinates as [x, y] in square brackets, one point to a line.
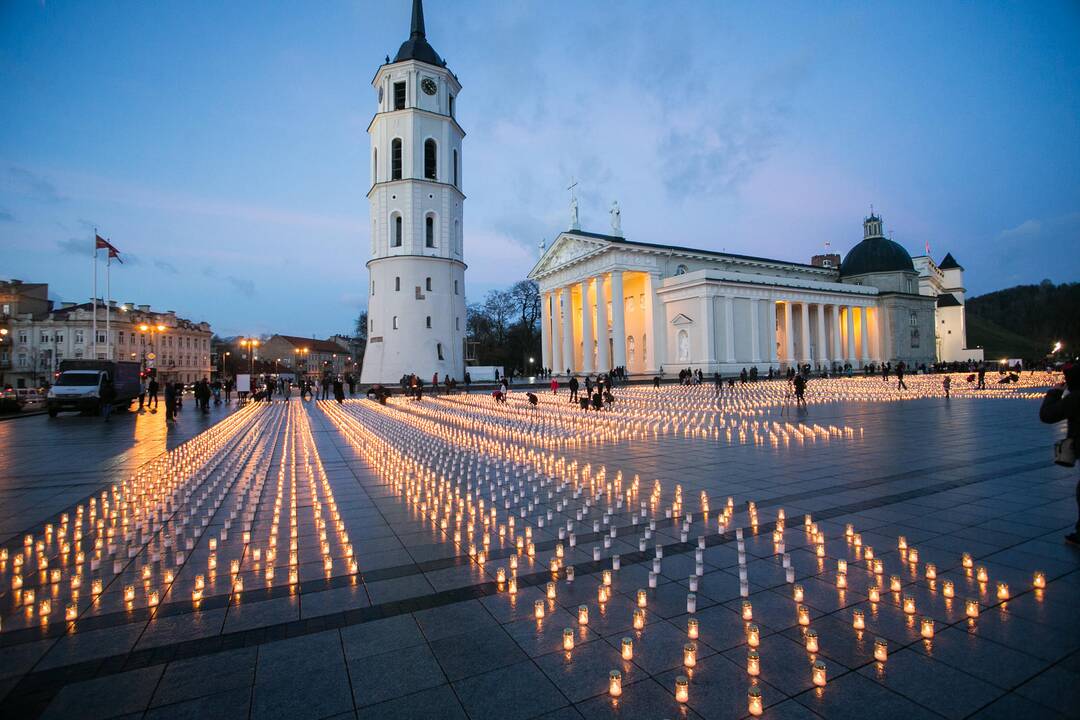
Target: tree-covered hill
[1025, 321]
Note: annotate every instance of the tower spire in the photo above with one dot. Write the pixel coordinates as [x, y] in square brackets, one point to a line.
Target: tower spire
[418, 19]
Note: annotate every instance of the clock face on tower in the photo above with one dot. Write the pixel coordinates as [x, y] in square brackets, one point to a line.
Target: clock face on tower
[428, 86]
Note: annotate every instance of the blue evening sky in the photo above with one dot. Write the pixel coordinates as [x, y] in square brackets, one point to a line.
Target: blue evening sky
[222, 145]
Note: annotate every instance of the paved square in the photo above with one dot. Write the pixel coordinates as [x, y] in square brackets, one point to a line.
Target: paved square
[437, 559]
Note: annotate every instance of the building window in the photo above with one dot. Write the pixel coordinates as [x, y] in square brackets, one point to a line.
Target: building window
[455, 169]
[395, 322]
[23, 337]
[44, 337]
[914, 319]
[397, 284]
[457, 323]
[427, 284]
[455, 287]
[395, 159]
[428, 321]
[438, 350]
[430, 156]
[60, 337]
[371, 325]
[914, 337]
[397, 231]
[451, 105]
[372, 287]
[399, 96]
[374, 165]
[429, 231]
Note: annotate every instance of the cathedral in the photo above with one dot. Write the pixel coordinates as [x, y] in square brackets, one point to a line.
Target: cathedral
[416, 299]
[608, 301]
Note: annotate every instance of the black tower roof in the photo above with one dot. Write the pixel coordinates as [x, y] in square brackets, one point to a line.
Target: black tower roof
[417, 46]
[949, 262]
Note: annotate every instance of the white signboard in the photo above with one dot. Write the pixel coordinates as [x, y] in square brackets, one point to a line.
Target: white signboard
[484, 373]
[243, 383]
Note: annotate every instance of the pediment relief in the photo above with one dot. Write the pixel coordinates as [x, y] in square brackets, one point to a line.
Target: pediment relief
[565, 250]
[681, 319]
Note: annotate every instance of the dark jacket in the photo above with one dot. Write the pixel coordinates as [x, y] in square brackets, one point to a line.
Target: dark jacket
[1056, 408]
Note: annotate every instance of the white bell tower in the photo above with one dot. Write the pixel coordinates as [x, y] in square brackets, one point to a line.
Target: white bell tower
[416, 301]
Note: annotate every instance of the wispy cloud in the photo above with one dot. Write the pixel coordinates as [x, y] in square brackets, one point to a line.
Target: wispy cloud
[166, 267]
[75, 246]
[1028, 228]
[5, 216]
[34, 185]
[241, 285]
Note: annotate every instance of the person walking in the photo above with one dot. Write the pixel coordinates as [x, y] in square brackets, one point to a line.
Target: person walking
[1062, 403]
[718, 383]
[228, 390]
[170, 402]
[108, 395]
[142, 392]
[152, 389]
[946, 384]
[468, 382]
[800, 389]
[573, 385]
[339, 391]
[325, 388]
[352, 384]
[554, 386]
[982, 378]
[900, 369]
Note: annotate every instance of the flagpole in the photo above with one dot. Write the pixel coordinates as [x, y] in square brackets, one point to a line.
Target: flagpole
[94, 321]
[108, 304]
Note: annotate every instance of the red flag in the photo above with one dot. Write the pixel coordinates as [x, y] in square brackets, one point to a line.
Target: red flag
[114, 253]
[100, 243]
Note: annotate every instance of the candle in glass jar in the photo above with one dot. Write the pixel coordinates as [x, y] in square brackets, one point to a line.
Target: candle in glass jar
[538, 609]
[926, 628]
[804, 615]
[874, 593]
[819, 673]
[1038, 580]
[895, 583]
[811, 641]
[568, 639]
[690, 655]
[881, 650]
[753, 663]
[615, 683]
[909, 604]
[947, 589]
[747, 610]
[583, 615]
[931, 571]
[692, 628]
[753, 635]
[971, 608]
[981, 575]
[627, 648]
[858, 620]
[682, 689]
[754, 701]
[1002, 591]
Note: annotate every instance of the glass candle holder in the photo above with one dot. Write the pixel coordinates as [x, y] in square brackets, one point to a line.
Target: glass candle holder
[538, 609]
[841, 581]
[819, 673]
[947, 589]
[642, 598]
[690, 655]
[754, 702]
[812, 641]
[682, 689]
[551, 591]
[971, 608]
[858, 620]
[639, 619]
[568, 639]
[981, 575]
[797, 593]
[874, 594]
[627, 648]
[747, 610]
[753, 635]
[926, 628]
[753, 663]
[841, 567]
[615, 683]
[931, 571]
[1038, 580]
[804, 615]
[895, 584]
[909, 604]
[881, 649]
[692, 628]
[1002, 591]
[966, 561]
[583, 615]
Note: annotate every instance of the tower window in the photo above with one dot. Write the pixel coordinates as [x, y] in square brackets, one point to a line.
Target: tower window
[438, 349]
[374, 165]
[430, 159]
[451, 105]
[455, 287]
[395, 159]
[427, 284]
[399, 96]
[372, 287]
[428, 321]
[397, 231]
[457, 323]
[397, 284]
[429, 232]
[395, 322]
[455, 169]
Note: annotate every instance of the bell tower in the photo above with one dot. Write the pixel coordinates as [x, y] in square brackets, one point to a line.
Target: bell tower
[416, 298]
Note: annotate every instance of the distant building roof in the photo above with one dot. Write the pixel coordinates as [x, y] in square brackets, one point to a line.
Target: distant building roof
[949, 263]
[947, 300]
[318, 346]
[417, 47]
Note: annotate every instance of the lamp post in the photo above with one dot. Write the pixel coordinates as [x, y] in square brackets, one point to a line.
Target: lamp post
[301, 360]
[145, 328]
[251, 343]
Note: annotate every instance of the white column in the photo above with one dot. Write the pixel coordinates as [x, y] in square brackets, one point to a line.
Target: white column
[755, 331]
[545, 329]
[822, 338]
[706, 336]
[618, 320]
[556, 333]
[804, 321]
[567, 330]
[770, 333]
[729, 330]
[586, 328]
[865, 336]
[850, 356]
[653, 343]
[834, 334]
[603, 362]
[789, 339]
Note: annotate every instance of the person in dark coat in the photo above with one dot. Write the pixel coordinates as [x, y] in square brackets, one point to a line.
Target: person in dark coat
[574, 385]
[152, 391]
[108, 395]
[170, 402]
[1062, 403]
[339, 391]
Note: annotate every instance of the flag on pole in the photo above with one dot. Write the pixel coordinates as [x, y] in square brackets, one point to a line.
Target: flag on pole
[101, 243]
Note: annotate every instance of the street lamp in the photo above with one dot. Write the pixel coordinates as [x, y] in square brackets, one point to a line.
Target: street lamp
[252, 343]
[144, 328]
[301, 356]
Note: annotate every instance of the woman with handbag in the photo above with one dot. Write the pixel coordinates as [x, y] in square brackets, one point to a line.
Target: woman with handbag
[1062, 402]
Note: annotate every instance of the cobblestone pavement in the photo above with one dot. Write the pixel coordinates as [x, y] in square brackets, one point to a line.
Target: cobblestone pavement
[433, 559]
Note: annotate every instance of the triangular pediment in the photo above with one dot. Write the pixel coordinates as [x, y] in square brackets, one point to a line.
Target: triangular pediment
[567, 248]
[681, 319]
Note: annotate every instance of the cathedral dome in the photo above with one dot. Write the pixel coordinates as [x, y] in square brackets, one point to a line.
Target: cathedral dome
[417, 46]
[876, 254]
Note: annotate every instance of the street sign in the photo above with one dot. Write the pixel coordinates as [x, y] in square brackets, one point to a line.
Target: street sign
[151, 356]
